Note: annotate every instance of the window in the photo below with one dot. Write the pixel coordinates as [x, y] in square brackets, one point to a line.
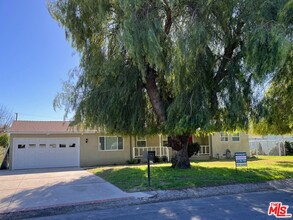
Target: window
[165, 140]
[141, 142]
[236, 137]
[53, 145]
[72, 145]
[21, 146]
[224, 136]
[62, 145]
[42, 145]
[32, 145]
[111, 143]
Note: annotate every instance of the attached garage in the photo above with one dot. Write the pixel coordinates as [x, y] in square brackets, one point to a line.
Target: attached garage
[45, 152]
[44, 144]
[47, 144]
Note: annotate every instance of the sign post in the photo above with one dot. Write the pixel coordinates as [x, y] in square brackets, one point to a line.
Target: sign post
[240, 159]
[150, 156]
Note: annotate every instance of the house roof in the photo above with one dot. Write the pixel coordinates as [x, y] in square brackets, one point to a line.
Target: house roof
[40, 127]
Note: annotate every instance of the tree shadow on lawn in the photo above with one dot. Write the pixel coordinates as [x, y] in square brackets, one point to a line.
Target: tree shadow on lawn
[163, 177]
[285, 164]
[224, 160]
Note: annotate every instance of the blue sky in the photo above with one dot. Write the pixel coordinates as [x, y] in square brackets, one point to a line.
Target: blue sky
[35, 58]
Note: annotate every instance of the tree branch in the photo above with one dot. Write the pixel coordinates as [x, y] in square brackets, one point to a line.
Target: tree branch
[151, 84]
[228, 53]
[168, 22]
[153, 93]
[222, 71]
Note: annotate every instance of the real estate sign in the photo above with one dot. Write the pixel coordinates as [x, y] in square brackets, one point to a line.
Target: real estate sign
[240, 159]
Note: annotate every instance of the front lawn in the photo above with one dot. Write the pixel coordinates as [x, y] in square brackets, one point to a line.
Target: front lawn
[202, 173]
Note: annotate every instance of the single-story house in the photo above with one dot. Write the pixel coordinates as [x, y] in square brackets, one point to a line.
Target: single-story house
[44, 144]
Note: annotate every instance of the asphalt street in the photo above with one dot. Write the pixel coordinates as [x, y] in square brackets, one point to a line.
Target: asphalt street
[238, 206]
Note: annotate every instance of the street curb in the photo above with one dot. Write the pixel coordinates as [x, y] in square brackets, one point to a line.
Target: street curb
[56, 209]
[154, 197]
[199, 192]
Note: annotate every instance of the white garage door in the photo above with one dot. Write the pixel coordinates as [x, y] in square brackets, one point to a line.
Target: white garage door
[45, 152]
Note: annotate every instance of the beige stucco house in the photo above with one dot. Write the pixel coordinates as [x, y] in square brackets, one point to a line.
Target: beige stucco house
[42, 144]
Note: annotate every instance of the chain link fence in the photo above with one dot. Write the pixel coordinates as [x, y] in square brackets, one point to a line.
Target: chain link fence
[274, 147]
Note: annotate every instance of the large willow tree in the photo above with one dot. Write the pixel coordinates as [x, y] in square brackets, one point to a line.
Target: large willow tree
[170, 66]
[274, 113]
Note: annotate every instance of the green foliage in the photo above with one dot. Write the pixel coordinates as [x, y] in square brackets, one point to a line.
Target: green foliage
[163, 159]
[157, 159]
[133, 161]
[268, 45]
[289, 148]
[205, 58]
[286, 15]
[274, 115]
[4, 140]
[228, 153]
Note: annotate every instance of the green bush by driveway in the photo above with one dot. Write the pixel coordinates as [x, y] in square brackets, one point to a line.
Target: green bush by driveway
[2, 152]
[202, 173]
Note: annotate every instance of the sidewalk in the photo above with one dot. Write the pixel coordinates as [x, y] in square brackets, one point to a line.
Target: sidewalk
[152, 197]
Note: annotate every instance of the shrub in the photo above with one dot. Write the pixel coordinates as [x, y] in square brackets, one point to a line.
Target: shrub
[193, 149]
[289, 148]
[133, 161]
[157, 159]
[164, 159]
[228, 154]
[130, 161]
[4, 140]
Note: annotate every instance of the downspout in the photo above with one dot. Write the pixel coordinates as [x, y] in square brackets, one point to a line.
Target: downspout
[131, 148]
[11, 152]
[160, 144]
[211, 146]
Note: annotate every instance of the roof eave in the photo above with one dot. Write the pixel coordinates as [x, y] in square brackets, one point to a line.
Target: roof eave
[53, 132]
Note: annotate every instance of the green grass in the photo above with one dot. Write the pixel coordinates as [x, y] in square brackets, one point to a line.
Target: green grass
[202, 173]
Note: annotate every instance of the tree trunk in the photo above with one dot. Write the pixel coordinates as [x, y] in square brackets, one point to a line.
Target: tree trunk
[178, 143]
[154, 95]
[180, 158]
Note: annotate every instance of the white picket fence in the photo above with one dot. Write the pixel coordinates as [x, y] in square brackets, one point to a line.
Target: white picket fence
[160, 151]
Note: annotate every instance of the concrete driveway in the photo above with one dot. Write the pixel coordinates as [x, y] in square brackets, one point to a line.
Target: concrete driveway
[44, 188]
